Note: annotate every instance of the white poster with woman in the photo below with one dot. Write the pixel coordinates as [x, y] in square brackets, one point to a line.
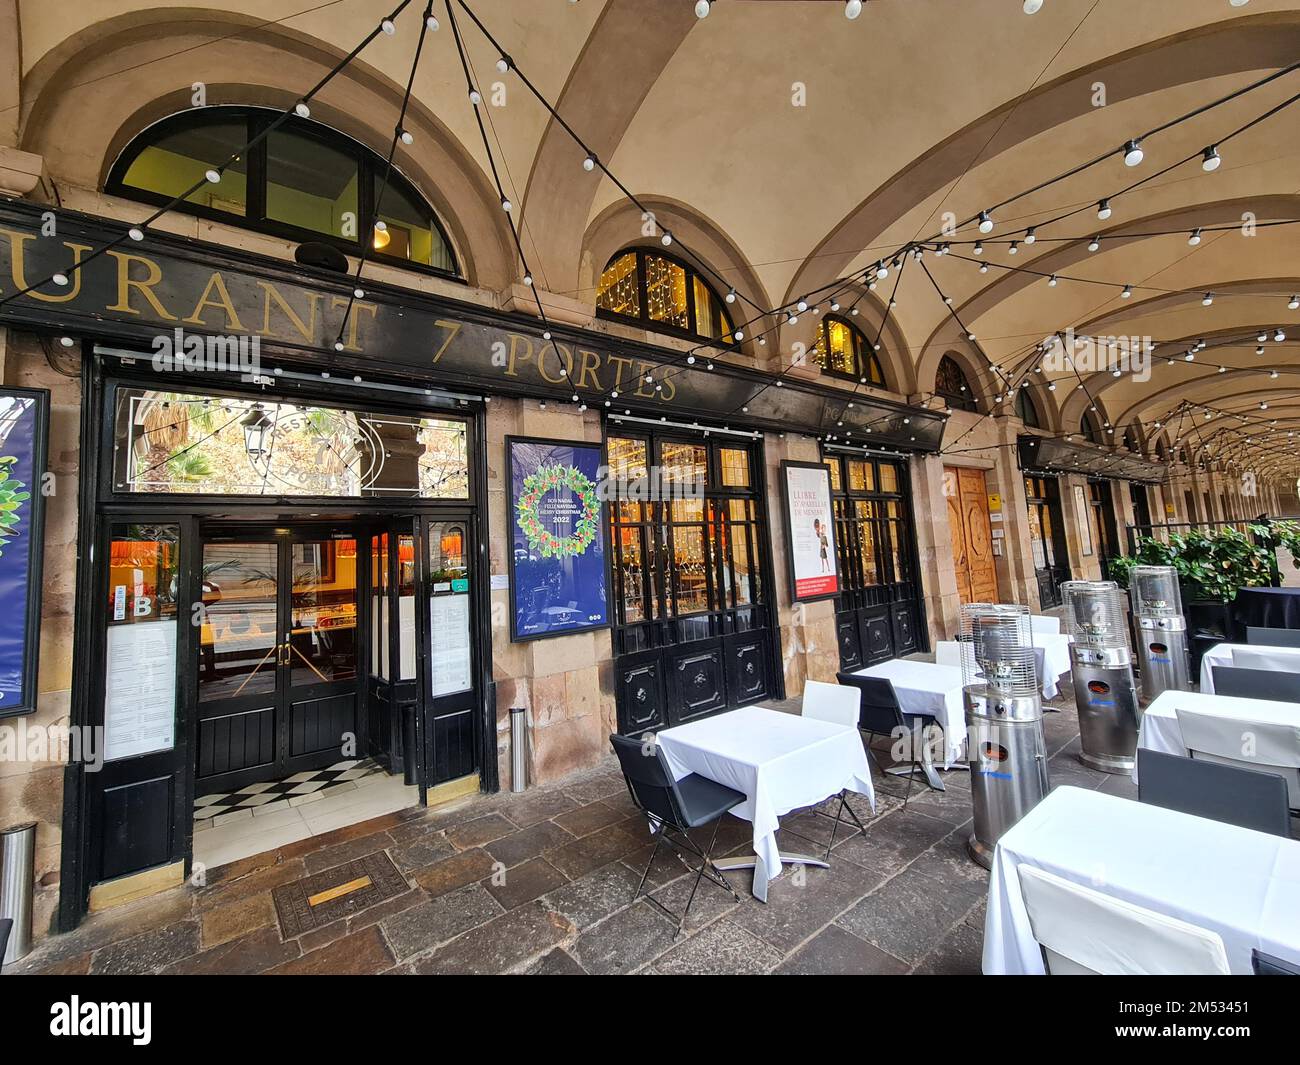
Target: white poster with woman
[810, 530]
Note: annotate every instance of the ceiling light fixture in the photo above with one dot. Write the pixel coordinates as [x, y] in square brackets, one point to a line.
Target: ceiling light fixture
[1210, 159]
[986, 223]
[1132, 153]
[1103, 210]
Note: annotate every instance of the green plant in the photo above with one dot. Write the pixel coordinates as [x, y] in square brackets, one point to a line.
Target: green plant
[1214, 566]
[12, 498]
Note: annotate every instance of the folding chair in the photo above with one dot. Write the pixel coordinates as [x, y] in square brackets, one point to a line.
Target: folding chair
[839, 704]
[673, 807]
[881, 716]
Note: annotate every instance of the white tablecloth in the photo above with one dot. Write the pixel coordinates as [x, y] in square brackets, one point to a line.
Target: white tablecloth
[1056, 659]
[1159, 729]
[1221, 654]
[1244, 885]
[780, 762]
[930, 689]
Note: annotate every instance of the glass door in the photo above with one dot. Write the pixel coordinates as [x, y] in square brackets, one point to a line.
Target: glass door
[277, 657]
[451, 739]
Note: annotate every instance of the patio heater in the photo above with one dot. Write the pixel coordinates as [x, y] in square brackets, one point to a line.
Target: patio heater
[1102, 666]
[1004, 721]
[1158, 610]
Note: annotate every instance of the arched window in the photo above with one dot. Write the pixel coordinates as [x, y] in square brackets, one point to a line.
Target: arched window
[1130, 441]
[302, 181]
[1025, 409]
[662, 294]
[1161, 452]
[1090, 428]
[951, 385]
[841, 349]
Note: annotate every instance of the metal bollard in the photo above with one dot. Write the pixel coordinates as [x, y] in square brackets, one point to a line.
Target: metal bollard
[518, 748]
[17, 881]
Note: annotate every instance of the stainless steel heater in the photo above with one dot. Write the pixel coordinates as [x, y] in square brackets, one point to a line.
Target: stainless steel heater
[1102, 665]
[1004, 721]
[1161, 630]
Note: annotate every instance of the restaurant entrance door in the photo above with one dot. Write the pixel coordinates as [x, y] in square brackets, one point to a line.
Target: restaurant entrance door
[277, 654]
[878, 611]
[691, 579]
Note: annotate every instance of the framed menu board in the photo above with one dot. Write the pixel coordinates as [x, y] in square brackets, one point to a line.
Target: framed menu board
[809, 531]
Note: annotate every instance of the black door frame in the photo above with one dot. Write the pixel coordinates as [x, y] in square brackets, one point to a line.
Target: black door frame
[874, 623]
[100, 507]
[284, 537]
[651, 685]
[1050, 577]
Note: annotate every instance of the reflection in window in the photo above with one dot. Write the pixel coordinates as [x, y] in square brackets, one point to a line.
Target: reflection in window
[323, 612]
[735, 467]
[842, 349]
[658, 291]
[951, 385]
[176, 160]
[309, 183]
[303, 180]
[178, 443]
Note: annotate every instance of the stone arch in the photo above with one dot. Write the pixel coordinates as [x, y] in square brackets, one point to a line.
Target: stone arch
[264, 65]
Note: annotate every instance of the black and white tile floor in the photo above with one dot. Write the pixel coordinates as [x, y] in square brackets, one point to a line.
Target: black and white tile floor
[296, 790]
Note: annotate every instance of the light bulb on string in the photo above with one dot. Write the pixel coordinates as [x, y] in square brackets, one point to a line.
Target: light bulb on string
[1103, 210]
[852, 9]
[979, 247]
[1029, 235]
[1207, 299]
[986, 223]
[1132, 153]
[701, 8]
[1210, 159]
[1195, 238]
[1031, 7]
[1094, 244]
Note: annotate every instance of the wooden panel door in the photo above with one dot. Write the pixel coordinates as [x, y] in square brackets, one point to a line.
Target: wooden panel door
[972, 535]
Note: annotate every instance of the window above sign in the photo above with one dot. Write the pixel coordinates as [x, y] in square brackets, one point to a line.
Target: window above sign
[301, 181]
[842, 350]
[663, 295]
[951, 385]
[174, 443]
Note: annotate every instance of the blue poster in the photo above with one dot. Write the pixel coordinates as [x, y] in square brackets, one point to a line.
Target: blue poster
[557, 561]
[22, 425]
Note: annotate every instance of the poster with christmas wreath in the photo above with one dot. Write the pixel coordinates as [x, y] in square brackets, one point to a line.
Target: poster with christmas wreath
[558, 572]
[24, 418]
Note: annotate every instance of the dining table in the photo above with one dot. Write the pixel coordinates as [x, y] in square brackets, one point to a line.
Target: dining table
[928, 689]
[1265, 657]
[780, 762]
[1241, 884]
[1159, 729]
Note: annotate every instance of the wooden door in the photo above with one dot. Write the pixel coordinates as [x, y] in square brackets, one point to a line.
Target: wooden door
[972, 534]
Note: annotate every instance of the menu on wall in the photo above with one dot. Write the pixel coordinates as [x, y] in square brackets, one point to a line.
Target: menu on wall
[810, 530]
[450, 663]
[140, 689]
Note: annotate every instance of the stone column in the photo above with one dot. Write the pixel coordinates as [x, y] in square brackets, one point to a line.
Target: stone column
[1082, 567]
[809, 648]
[565, 682]
[934, 545]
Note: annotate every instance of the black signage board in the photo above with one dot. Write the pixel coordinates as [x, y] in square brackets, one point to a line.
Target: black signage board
[1053, 455]
[141, 292]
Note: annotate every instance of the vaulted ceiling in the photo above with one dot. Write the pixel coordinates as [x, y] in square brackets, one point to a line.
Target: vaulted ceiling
[790, 147]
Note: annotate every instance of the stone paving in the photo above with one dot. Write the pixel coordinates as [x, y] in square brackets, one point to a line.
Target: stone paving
[903, 899]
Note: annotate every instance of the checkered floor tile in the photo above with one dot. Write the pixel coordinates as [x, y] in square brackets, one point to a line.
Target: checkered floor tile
[283, 791]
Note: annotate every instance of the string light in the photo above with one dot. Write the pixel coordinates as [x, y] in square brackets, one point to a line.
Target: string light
[1210, 159]
[701, 8]
[1132, 153]
[1103, 210]
[1031, 7]
[1094, 244]
[852, 9]
[986, 223]
[1195, 238]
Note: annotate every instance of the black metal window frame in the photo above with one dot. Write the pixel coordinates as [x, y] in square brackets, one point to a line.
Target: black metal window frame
[1027, 409]
[370, 171]
[960, 396]
[659, 592]
[882, 527]
[654, 325]
[866, 366]
[1090, 429]
[211, 386]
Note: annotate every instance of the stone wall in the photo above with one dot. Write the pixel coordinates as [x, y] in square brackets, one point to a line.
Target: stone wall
[566, 683]
[809, 648]
[32, 790]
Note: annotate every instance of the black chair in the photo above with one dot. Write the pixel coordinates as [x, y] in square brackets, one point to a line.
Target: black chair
[673, 807]
[882, 716]
[1257, 683]
[1267, 965]
[1248, 798]
[1256, 634]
